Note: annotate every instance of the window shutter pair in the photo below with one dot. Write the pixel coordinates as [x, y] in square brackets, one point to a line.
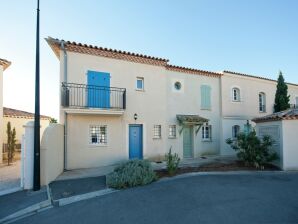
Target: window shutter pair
[205, 97]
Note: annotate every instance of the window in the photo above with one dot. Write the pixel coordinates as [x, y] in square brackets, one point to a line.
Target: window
[172, 131]
[205, 97]
[98, 134]
[206, 132]
[140, 83]
[177, 85]
[262, 102]
[157, 131]
[235, 131]
[236, 94]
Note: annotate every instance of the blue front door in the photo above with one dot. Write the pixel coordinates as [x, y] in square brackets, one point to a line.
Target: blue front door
[98, 89]
[135, 141]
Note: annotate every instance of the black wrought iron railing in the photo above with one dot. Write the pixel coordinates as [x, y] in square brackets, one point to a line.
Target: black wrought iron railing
[88, 96]
[293, 106]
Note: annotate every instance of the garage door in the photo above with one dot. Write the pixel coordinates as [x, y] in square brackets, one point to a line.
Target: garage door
[274, 132]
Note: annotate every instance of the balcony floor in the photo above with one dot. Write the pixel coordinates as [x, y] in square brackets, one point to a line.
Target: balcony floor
[94, 111]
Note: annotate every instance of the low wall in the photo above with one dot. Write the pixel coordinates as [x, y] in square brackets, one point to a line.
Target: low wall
[52, 153]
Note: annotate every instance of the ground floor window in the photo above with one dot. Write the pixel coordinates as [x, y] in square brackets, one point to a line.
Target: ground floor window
[98, 135]
[235, 131]
[206, 132]
[157, 131]
[172, 131]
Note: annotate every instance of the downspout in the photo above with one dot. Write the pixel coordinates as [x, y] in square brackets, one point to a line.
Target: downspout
[65, 114]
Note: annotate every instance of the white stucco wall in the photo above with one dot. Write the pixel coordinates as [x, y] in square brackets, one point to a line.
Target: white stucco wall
[290, 144]
[1, 111]
[187, 101]
[18, 123]
[52, 153]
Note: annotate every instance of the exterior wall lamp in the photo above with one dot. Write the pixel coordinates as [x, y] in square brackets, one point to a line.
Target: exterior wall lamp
[135, 116]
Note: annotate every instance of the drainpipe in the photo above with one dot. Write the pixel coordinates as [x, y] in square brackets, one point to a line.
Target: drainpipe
[65, 114]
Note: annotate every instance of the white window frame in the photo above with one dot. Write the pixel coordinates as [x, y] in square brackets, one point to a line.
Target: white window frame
[238, 94]
[157, 131]
[234, 136]
[172, 133]
[140, 79]
[98, 143]
[262, 102]
[205, 137]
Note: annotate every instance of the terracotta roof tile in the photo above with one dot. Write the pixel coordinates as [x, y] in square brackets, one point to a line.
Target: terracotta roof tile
[9, 112]
[192, 71]
[290, 114]
[4, 63]
[254, 76]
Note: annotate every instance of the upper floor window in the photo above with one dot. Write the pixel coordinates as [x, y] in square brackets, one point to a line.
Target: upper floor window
[236, 94]
[262, 102]
[205, 97]
[206, 132]
[98, 135]
[157, 131]
[140, 83]
[172, 131]
[235, 131]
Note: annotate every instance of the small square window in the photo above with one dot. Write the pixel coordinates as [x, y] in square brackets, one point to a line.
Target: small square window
[172, 131]
[98, 135]
[140, 84]
[157, 131]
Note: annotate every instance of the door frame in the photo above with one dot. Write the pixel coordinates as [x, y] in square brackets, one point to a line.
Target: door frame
[143, 138]
[192, 141]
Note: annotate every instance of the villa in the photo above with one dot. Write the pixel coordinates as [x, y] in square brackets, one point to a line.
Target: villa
[117, 105]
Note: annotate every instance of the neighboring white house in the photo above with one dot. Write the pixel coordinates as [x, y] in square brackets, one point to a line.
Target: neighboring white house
[18, 119]
[245, 97]
[117, 105]
[282, 127]
[4, 64]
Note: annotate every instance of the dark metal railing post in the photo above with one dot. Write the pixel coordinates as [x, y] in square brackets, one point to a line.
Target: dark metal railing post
[124, 99]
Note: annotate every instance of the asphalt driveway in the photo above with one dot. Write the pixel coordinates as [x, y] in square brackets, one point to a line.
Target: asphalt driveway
[253, 198]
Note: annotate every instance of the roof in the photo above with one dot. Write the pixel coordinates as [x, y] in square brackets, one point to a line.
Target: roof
[55, 44]
[255, 76]
[9, 112]
[4, 63]
[290, 114]
[191, 119]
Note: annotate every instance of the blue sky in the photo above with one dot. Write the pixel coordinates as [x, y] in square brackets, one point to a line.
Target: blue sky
[250, 36]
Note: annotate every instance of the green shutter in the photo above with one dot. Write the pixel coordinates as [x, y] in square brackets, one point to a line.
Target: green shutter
[205, 97]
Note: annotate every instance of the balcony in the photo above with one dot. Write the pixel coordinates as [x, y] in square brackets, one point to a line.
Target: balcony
[89, 99]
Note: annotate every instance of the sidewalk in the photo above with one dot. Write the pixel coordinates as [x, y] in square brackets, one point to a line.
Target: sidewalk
[15, 202]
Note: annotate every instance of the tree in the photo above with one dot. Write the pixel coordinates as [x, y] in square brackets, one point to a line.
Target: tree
[11, 142]
[282, 98]
[53, 120]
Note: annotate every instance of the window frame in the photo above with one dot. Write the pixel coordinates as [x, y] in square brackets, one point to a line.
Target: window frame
[172, 133]
[157, 130]
[262, 102]
[234, 136]
[238, 94]
[204, 127]
[99, 134]
[143, 82]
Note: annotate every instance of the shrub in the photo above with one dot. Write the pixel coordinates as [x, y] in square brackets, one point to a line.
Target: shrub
[172, 162]
[252, 150]
[130, 174]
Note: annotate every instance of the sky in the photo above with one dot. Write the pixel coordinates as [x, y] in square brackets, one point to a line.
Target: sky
[258, 37]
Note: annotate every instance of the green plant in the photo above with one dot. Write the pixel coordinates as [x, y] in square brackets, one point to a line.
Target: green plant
[53, 120]
[282, 99]
[172, 162]
[252, 150]
[11, 142]
[130, 174]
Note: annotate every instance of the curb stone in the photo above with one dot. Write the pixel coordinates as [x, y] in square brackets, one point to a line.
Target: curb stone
[81, 197]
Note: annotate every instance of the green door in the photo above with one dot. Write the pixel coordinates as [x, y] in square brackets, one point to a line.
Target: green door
[187, 142]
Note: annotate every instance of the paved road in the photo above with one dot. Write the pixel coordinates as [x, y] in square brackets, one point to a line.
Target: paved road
[257, 198]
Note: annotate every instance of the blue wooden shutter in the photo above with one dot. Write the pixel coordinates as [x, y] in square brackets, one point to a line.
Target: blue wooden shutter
[205, 97]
